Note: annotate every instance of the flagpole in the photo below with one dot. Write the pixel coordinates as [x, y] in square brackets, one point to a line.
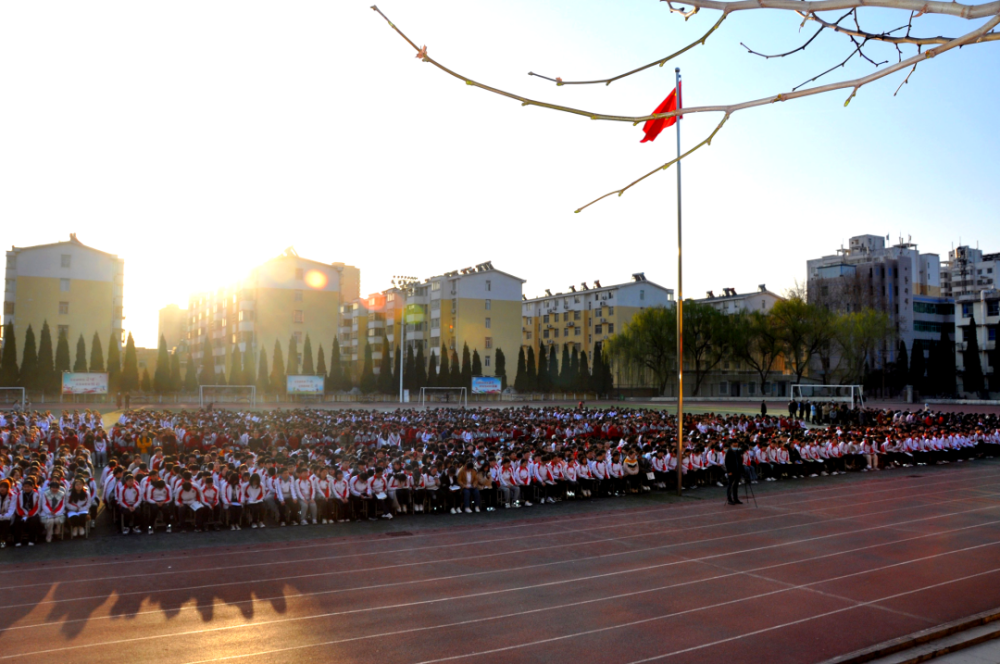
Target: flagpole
[680, 302]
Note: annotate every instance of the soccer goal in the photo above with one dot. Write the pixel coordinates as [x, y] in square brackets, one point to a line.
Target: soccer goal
[452, 396]
[245, 394]
[12, 396]
[852, 394]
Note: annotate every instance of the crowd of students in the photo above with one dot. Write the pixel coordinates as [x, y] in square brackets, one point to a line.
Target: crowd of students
[202, 470]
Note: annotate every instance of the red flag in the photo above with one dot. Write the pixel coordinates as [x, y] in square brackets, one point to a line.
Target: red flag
[652, 128]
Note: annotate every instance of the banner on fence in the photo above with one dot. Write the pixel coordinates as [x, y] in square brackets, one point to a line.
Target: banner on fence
[305, 385]
[486, 385]
[84, 383]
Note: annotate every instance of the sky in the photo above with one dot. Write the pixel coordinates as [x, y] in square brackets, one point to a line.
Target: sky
[196, 140]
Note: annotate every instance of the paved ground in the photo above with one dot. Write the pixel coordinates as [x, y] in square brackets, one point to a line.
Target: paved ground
[822, 567]
[984, 653]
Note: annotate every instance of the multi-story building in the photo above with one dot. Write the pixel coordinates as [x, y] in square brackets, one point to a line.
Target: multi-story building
[76, 288]
[968, 271]
[898, 280]
[288, 296]
[173, 323]
[369, 320]
[982, 307]
[731, 302]
[479, 306]
[587, 316]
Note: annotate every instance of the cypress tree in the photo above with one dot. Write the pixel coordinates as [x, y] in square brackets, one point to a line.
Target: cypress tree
[190, 375]
[293, 357]
[114, 365]
[161, 375]
[385, 385]
[564, 368]
[28, 377]
[80, 365]
[8, 360]
[62, 363]
[993, 357]
[466, 368]
[946, 368]
[207, 375]
[236, 367]
[410, 372]
[96, 355]
[607, 378]
[583, 382]
[544, 381]
[48, 374]
[145, 384]
[456, 371]
[368, 383]
[972, 376]
[918, 366]
[321, 362]
[420, 379]
[500, 370]
[530, 372]
[573, 381]
[396, 360]
[249, 366]
[130, 368]
[174, 382]
[477, 365]
[277, 380]
[553, 367]
[521, 377]
[307, 358]
[263, 382]
[597, 374]
[335, 379]
[902, 368]
[432, 371]
[444, 371]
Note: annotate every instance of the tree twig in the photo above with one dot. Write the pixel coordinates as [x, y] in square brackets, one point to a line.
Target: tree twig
[984, 10]
[660, 62]
[784, 55]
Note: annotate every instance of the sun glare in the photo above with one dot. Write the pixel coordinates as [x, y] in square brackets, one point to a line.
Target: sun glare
[315, 279]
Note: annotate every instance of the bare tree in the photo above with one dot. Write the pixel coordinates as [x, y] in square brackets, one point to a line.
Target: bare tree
[815, 12]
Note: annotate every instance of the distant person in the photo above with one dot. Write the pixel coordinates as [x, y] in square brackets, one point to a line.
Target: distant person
[118, 400]
[734, 470]
[763, 408]
[128, 401]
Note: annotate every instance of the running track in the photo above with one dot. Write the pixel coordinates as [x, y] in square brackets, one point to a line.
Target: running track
[818, 570]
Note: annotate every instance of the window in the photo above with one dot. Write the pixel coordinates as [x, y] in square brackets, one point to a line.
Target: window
[611, 311]
[991, 334]
[64, 285]
[611, 328]
[545, 318]
[763, 304]
[65, 260]
[486, 360]
[298, 273]
[489, 342]
[993, 308]
[436, 286]
[966, 310]
[576, 331]
[555, 333]
[576, 315]
[529, 320]
[487, 323]
[565, 316]
[489, 285]
[63, 331]
[298, 296]
[488, 304]
[597, 329]
[642, 294]
[299, 317]
[64, 308]
[723, 389]
[545, 334]
[8, 308]
[527, 335]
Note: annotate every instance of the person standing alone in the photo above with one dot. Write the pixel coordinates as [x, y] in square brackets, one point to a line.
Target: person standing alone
[734, 469]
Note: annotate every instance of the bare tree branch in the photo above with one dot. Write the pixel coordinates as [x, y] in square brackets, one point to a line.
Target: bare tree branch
[660, 62]
[887, 36]
[784, 55]
[984, 10]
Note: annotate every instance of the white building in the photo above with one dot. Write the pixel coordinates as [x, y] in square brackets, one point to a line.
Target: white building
[968, 270]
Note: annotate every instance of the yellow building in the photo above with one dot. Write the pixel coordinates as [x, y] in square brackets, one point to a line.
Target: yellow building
[76, 288]
[479, 306]
[588, 316]
[173, 327]
[288, 296]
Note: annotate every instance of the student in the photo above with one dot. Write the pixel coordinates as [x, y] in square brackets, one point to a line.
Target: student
[8, 507]
[253, 497]
[286, 497]
[27, 520]
[188, 501]
[467, 479]
[53, 513]
[159, 504]
[306, 492]
[129, 500]
[211, 498]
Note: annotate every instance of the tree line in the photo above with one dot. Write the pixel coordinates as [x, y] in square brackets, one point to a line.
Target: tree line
[564, 369]
[802, 338]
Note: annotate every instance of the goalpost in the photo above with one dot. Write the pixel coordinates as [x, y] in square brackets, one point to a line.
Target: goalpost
[12, 396]
[457, 396]
[852, 394]
[227, 394]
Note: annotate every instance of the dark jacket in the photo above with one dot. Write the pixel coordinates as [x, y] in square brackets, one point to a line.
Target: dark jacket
[734, 461]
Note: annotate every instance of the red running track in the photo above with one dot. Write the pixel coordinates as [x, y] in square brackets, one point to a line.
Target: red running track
[816, 572]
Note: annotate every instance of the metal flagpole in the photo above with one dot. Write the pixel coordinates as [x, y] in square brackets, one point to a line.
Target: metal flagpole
[402, 351]
[680, 301]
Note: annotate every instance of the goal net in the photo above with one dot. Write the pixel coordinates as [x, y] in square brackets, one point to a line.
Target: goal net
[12, 397]
[852, 394]
[447, 396]
[238, 394]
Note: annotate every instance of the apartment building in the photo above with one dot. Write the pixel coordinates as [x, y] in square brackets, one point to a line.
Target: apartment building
[983, 307]
[588, 315]
[76, 288]
[173, 322]
[288, 296]
[731, 302]
[969, 271]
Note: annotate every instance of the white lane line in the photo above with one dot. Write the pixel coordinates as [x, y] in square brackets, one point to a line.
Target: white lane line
[487, 593]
